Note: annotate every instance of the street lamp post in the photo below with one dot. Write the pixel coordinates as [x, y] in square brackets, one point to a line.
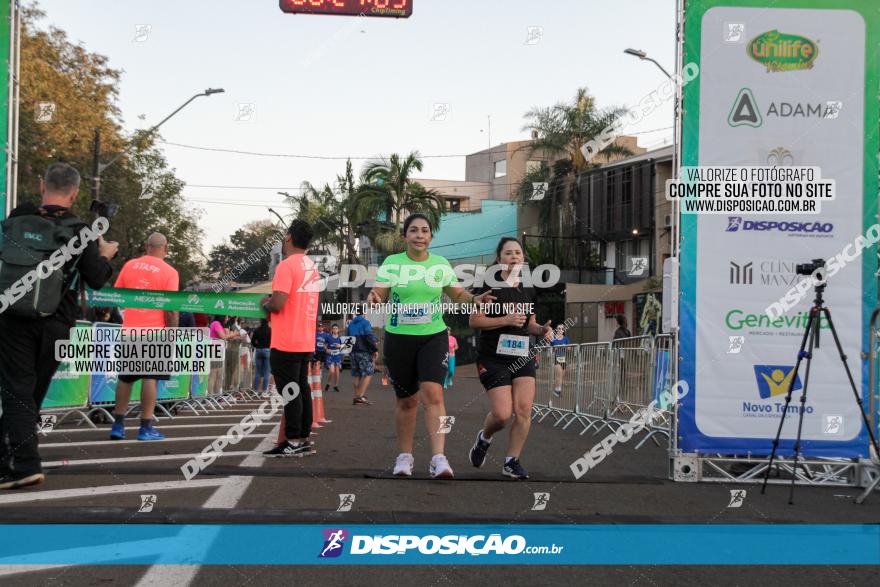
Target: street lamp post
[674, 235]
[644, 57]
[98, 168]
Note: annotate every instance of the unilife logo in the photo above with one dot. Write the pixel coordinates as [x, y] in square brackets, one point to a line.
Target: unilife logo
[334, 542]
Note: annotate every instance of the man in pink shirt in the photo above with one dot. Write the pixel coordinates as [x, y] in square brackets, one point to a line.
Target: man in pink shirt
[153, 273]
[294, 310]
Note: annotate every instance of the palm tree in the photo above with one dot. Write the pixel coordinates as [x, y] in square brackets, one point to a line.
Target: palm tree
[564, 129]
[318, 207]
[387, 189]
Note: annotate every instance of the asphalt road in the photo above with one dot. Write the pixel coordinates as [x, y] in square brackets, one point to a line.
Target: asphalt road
[91, 480]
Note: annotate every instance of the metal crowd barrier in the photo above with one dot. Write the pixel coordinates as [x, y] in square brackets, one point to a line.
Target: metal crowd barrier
[91, 397]
[604, 385]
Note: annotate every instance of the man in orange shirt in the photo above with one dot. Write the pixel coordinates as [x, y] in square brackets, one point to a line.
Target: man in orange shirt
[147, 272]
[294, 310]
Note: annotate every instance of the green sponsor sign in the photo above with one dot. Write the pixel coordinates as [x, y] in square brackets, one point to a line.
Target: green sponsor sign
[175, 388]
[68, 389]
[225, 304]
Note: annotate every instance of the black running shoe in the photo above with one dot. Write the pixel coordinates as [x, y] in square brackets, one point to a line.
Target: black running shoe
[286, 449]
[362, 401]
[309, 448]
[514, 470]
[336, 389]
[479, 450]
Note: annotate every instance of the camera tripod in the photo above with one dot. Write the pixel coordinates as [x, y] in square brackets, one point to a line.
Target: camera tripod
[809, 342]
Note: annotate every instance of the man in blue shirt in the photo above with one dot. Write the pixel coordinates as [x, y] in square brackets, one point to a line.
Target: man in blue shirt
[320, 354]
[363, 355]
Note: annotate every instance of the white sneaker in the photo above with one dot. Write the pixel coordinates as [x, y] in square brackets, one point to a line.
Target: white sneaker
[403, 466]
[440, 468]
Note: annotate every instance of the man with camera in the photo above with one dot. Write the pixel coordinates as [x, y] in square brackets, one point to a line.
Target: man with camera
[47, 254]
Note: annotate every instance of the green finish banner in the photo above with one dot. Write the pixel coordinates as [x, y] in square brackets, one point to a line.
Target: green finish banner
[68, 389]
[224, 304]
[177, 387]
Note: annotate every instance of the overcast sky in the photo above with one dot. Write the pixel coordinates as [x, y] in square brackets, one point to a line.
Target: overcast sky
[333, 86]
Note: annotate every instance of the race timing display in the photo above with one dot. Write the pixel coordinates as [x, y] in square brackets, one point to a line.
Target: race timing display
[388, 8]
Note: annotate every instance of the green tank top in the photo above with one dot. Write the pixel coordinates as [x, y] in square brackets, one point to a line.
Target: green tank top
[415, 292]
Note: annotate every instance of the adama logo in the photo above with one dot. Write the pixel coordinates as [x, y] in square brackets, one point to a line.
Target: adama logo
[782, 52]
[334, 542]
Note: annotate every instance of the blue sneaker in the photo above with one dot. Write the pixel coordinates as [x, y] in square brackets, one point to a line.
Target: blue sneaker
[117, 432]
[478, 450]
[150, 434]
[514, 470]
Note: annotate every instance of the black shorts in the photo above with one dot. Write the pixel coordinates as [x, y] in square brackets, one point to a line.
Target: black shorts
[412, 359]
[319, 357]
[133, 378]
[494, 373]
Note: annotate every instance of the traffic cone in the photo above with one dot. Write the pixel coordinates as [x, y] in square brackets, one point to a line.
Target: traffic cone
[315, 387]
[317, 400]
[385, 378]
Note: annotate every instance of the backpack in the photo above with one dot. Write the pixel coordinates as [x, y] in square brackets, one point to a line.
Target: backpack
[26, 242]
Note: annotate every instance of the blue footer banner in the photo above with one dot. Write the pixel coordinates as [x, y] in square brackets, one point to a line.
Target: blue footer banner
[76, 544]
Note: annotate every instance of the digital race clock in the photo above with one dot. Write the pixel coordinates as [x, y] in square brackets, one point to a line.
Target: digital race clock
[392, 8]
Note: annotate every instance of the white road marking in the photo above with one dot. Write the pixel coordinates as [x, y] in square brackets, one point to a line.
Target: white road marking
[169, 575]
[16, 569]
[118, 442]
[160, 427]
[227, 496]
[108, 490]
[256, 459]
[136, 459]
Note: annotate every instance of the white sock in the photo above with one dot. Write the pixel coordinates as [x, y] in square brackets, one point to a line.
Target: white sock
[508, 459]
[484, 439]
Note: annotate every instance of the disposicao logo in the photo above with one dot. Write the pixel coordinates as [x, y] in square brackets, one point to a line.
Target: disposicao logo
[733, 223]
[782, 52]
[774, 380]
[334, 542]
[737, 224]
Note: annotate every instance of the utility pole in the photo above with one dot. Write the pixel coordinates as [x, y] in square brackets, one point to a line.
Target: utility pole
[96, 166]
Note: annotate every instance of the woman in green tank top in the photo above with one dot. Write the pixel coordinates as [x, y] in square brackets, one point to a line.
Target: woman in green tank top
[416, 348]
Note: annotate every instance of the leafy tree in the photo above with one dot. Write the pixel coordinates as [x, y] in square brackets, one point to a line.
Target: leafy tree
[563, 129]
[388, 192]
[234, 257]
[84, 89]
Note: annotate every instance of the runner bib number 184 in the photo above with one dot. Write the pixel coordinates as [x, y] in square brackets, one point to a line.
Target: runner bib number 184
[512, 345]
